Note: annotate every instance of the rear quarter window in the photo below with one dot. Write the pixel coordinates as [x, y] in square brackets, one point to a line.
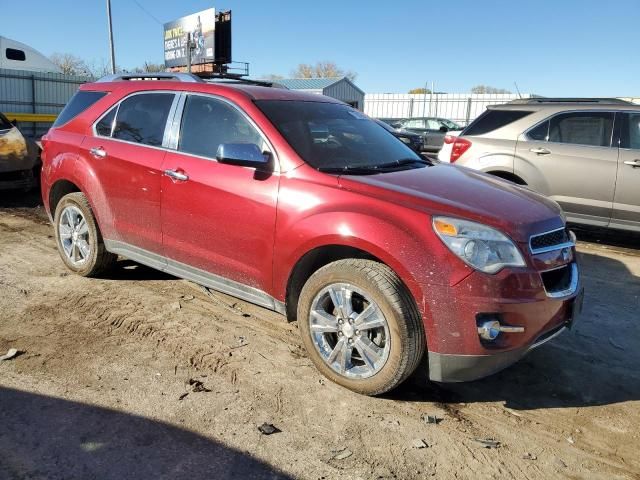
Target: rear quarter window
[78, 104]
[492, 120]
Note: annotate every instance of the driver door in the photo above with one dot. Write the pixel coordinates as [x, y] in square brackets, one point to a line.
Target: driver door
[218, 220]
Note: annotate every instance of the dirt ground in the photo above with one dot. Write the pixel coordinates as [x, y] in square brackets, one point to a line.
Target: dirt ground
[103, 389]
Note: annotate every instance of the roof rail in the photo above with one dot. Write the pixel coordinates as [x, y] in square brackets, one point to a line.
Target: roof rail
[168, 76]
[538, 100]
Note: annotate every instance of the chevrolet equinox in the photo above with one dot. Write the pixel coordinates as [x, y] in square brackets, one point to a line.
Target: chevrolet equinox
[303, 205]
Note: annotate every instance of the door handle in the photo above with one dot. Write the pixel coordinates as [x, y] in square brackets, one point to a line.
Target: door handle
[98, 152]
[540, 151]
[182, 177]
[633, 163]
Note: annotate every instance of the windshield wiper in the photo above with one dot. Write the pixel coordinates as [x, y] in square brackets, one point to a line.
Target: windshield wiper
[403, 162]
[351, 170]
[373, 169]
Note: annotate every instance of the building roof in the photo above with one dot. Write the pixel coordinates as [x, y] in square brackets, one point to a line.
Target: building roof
[308, 83]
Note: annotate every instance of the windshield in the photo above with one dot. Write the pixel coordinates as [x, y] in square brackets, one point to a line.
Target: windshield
[332, 136]
[449, 124]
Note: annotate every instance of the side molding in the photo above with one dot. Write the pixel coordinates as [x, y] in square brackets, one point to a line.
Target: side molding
[201, 277]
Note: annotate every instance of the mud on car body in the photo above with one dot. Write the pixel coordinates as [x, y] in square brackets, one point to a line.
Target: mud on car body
[19, 158]
[303, 205]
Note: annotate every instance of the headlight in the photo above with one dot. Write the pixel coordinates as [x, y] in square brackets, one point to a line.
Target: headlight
[483, 248]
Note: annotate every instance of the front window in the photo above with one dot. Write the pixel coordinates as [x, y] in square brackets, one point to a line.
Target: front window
[336, 137]
[630, 135]
[208, 122]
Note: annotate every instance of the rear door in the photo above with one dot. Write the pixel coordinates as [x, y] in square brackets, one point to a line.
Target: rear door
[626, 203]
[218, 218]
[126, 153]
[570, 158]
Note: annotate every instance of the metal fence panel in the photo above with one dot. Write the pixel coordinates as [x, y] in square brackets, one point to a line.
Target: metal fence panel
[459, 107]
[23, 91]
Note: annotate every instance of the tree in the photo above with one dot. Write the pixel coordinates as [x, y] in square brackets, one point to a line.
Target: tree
[324, 69]
[149, 67]
[422, 90]
[70, 64]
[488, 89]
[272, 77]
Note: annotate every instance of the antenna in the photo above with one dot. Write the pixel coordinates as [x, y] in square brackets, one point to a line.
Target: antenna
[517, 90]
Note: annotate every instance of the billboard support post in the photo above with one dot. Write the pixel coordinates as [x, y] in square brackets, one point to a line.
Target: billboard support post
[189, 52]
[111, 50]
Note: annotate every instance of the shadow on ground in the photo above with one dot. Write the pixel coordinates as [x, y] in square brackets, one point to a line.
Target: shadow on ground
[51, 438]
[588, 366]
[20, 199]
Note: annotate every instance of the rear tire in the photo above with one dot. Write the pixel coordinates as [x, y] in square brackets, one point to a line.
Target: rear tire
[360, 326]
[78, 237]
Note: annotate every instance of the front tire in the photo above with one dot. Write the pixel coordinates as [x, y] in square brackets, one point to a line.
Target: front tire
[78, 237]
[360, 326]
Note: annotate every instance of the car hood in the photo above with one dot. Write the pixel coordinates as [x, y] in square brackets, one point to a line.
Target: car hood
[461, 192]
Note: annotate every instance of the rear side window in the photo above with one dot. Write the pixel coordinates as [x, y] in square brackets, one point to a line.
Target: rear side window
[541, 132]
[78, 104]
[582, 128]
[207, 122]
[104, 126]
[15, 54]
[143, 117]
[492, 120]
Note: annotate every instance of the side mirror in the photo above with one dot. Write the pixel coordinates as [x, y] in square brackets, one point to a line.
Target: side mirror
[444, 129]
[243, 155]
[397, 125]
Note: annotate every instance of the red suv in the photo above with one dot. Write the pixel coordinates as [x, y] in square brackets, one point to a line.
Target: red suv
[303, 205]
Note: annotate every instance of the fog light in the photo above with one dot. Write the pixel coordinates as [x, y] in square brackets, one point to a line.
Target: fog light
[489, 330]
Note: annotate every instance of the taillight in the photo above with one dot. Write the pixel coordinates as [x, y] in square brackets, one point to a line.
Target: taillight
[460, 145]
[449, 139]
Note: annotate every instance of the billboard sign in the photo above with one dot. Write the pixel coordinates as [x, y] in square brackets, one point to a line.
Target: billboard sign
[201, 26]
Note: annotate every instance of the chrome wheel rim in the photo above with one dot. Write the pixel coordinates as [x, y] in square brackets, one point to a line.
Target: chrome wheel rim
[349, 331]
[74, 235]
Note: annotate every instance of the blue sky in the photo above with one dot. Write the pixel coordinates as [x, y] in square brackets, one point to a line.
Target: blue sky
[561, 48]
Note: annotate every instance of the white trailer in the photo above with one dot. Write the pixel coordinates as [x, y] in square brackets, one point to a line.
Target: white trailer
[18, 56]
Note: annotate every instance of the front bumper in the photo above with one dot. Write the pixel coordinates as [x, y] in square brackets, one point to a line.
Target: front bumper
[451, 368]
[517, 298]
[18, 180]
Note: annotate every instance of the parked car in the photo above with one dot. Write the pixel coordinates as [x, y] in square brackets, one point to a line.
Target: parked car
[582, 153]
[378, 254]
[412, 140]
[393, 122]
[19, 158]
[432, 130]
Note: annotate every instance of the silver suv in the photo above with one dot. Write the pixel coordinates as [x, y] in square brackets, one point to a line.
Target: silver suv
[582, 153]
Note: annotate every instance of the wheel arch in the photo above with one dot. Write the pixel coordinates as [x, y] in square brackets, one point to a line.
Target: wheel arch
[58, 190]
[512, 177]
[318, 257]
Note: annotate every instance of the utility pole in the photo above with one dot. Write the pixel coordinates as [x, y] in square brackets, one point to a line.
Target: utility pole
[113, 55]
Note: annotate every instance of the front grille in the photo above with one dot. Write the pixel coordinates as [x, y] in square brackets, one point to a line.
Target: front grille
[557, 280]
[549, 240]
